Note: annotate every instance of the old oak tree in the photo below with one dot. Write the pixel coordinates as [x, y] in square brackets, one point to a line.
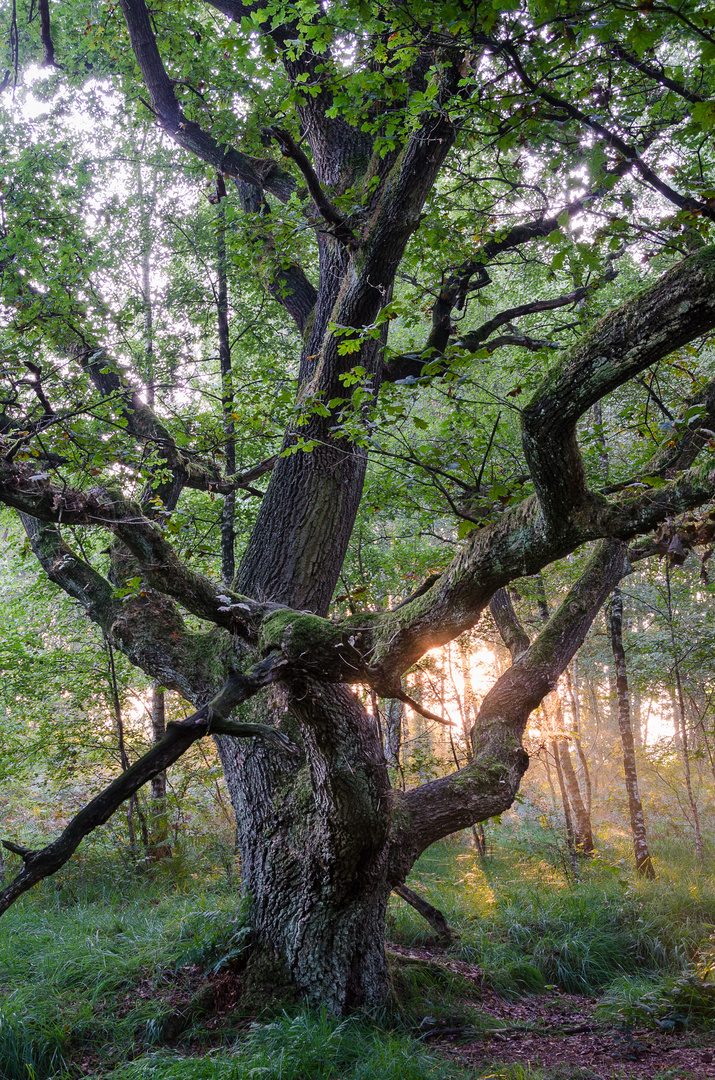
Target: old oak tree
[388, 165]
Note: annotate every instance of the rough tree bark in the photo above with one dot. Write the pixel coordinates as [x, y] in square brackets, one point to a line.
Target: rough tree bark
[394, 719]
[635, 807]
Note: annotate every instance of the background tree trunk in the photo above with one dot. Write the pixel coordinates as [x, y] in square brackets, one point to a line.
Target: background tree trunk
[228, 537]
[682, 724]
[570, 835]
[584, 774]
[159, 847]
[578, 829]
[635, 807]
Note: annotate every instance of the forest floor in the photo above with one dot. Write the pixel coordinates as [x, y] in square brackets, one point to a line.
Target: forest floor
[106, 974]
[562, 1034]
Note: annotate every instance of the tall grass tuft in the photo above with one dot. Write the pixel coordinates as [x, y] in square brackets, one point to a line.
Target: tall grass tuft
[310, 1046]
[31, 1051]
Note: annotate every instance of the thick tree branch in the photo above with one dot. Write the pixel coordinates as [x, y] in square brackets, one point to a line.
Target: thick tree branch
[180, 735]
[507, 621]
[337, 147]
[189, 135]
[674, 310]
[161, 567]
[662, 318]
[46, 33]
[147, 628]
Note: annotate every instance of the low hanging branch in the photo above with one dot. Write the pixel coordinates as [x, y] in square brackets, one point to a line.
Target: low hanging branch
[210, 719]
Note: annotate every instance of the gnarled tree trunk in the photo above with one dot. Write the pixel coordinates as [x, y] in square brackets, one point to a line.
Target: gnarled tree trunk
[312, 836]
[323, 838]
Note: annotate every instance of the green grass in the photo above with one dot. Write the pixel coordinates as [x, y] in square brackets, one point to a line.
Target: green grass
[92, 968]
[516, 907]
[93, 973]
[309, 1046]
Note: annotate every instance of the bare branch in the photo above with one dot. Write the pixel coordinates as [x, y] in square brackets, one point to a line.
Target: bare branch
[415, 705]
[656, 74]
[179, 737]
[474, 338]
[630, 153]
[340, 229]
[428, 911]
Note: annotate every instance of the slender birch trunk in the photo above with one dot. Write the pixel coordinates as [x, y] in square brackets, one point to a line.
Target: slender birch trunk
[644, 864]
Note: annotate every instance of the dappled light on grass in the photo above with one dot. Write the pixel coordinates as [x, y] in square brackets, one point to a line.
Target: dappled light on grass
[93, 980]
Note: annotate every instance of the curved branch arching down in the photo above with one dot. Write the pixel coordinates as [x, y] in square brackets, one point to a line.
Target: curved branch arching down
[676, 309]
[656, 322]
[488, 784]
[265, 174]
[211, 718]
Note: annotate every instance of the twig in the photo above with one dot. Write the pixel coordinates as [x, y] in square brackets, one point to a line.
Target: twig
[402, 696]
